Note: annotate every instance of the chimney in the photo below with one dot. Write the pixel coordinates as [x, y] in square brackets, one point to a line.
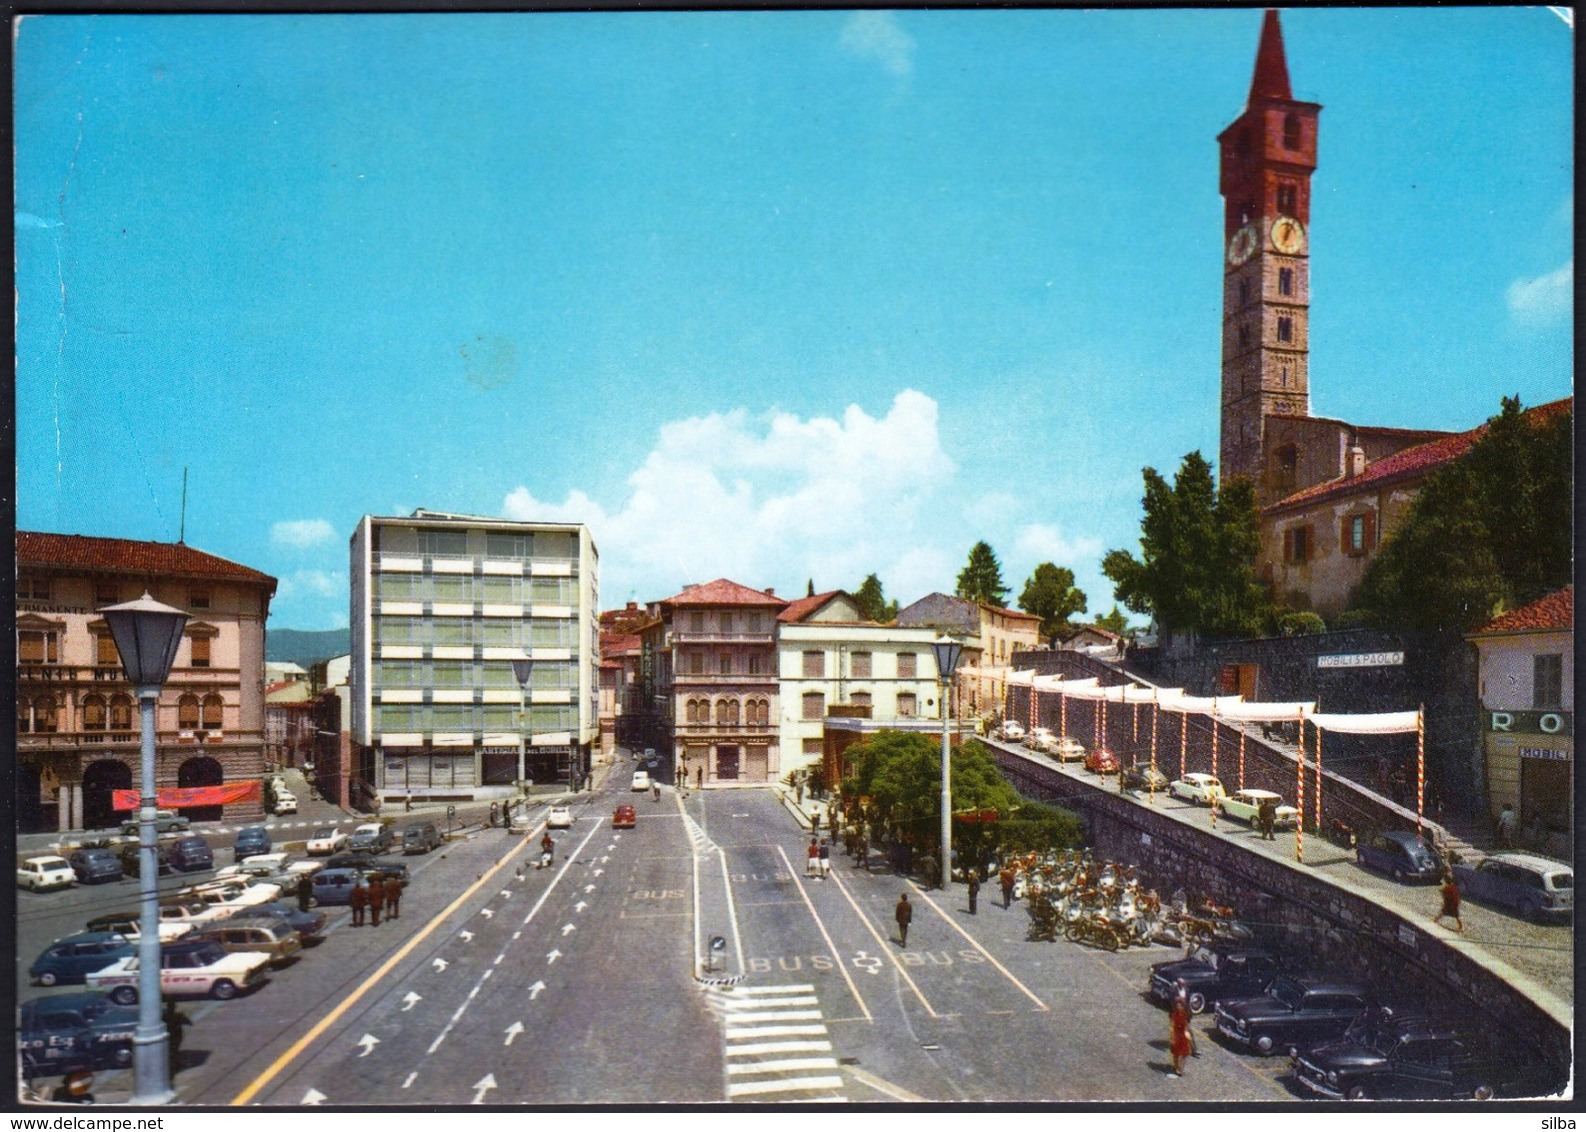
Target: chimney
[633, 607]
[770, 591]
[1355, 463]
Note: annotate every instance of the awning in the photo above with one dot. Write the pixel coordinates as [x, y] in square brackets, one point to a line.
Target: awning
[1263, 713]
[1385, 723]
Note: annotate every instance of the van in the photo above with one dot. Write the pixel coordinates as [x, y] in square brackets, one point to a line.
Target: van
[420, 838]
[190, 854]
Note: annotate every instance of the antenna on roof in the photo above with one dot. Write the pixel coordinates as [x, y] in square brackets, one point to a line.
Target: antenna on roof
[182, 536]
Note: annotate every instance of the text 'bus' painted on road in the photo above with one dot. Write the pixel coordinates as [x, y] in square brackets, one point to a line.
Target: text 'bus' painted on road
[760, 966]
[656, 894]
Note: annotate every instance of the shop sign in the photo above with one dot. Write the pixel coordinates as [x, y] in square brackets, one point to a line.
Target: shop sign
[498, 750]
[1360, 660]
[1532, 722]
[1544, 753]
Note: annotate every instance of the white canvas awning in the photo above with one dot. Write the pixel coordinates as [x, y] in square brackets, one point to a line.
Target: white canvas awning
[1061, 686]
[1025, 677]
[1384, 723]
[1262, 713]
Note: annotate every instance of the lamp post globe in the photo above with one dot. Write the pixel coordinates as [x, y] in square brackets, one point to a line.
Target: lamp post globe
[147, 635]
[948, 651]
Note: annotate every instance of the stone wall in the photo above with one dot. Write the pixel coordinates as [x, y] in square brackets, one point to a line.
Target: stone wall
[1314, 924]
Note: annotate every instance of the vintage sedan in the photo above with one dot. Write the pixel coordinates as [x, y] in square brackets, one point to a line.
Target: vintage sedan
[271, 935]
[68, 960]
[1214, 973]
[1296, 1012]
[1387, 1056]
[1011, 730]
[40, 874]
[285, 803]
[560, 817]
[1144, 778]
[371, 837]
[641, 780]
[1245, 806]
[624, 818]
[1041, 739]
[129, 924]
[1068, 749]
[327, 839]
[201, 967]
[1533, 887]
[81, 1030]
[1401, 854]
[165, 821]
[1101, 761]
[1204, 789]
[309, 926]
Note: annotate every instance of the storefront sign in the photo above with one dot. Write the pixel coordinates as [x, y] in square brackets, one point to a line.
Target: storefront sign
[1532, 722]
[1544, 753]
[498, 750]
[1360, 660]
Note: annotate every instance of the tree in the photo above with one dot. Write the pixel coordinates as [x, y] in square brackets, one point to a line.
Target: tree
[1196, 573]
[981, 578]
[873, 603]
[1049, 593]
[1114, 622]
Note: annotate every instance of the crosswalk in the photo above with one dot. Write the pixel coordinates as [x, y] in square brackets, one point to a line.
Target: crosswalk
[701, 841]
[778, 1048]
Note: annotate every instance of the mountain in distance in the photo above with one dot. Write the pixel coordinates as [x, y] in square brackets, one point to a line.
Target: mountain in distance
[305, 647]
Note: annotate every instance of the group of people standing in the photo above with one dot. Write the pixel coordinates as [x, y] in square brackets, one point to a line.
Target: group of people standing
[818, 859]
[375, 893]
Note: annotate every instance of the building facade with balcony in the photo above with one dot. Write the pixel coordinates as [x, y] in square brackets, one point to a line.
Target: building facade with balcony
[710, 667]
[442, 606]
[831, 660]
[77, 719]
[990, 635]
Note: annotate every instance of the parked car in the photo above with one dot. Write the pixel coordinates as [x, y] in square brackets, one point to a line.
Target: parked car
[641, 780]
[327, 839]
[1041, 739]
[285, 802]
[223, 897]
[1068, 749]
[1145, 777]
[68, 960]
[560, 817]
[1011, 730]
[371, 837]
[1101, 761]
[1533, 887]
[60, 1033]
[200, 967]
[624, 818]
[1214, 973]
[165, 821]
[333, 887]
[1196, 787]
[251, 841]
[41, 874]
[1245, 806]
[1401, 854]
[190, 854]
[1385, 1056]
[129, 925]
[131, 857]
[95, 865]
[1299, 1012]
[309, 926]
[273, 937]
[420, 838]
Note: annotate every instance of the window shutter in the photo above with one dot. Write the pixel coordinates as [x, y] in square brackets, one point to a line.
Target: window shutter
[1370, 538]
[1288, 545]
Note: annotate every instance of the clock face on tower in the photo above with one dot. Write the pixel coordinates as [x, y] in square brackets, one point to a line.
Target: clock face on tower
[1288, 236]
[1242, 245]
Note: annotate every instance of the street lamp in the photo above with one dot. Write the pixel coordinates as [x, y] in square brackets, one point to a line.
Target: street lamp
[522, 669]
[947, 653]
[147, 635]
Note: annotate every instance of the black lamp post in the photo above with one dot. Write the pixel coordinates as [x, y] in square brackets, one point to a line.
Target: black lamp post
[147, 635]
[947, 653]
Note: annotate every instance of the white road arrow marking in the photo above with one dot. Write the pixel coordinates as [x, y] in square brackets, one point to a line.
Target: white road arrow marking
[603, 860]
[580, 906]
[513, 1031]
[599, 872]
[484, 1085]
[368, 1041]
[568, 928]
[408, 1083]
[506, 894]
[487, 913]
[552, 955]
[534, 991]
[466, 936]
[589, 888]
[313, 1096]
[410, 1000]
[438, 963]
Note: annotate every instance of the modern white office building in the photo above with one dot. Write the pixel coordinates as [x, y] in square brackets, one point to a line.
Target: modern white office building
[475, 653]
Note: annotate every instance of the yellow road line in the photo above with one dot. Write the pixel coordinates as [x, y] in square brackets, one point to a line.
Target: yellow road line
[381, 972]
[976, 945]
[841, 967]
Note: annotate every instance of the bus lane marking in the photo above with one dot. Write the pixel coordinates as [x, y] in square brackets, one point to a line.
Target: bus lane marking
[825, 935]
[881, 942]
[976, 945]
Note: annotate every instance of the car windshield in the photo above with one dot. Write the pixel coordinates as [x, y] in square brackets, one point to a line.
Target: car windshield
[1379, 1040]
[321, 834]
[1562, 880]
[1288, 992]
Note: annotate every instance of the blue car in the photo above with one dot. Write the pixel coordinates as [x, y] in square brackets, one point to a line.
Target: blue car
[1400, 854]
[334, 886]
[251, 841]
[95, 865]
[68, 960]
[1535, 888]
[64, 1032]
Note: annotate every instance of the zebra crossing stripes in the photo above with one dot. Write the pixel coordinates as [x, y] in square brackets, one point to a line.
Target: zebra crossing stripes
[778, 1049]
[702, 842]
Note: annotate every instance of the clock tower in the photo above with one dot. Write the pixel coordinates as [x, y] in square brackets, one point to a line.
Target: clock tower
[1267, 157]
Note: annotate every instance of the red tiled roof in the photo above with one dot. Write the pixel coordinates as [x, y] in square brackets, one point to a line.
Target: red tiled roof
[724, 592]
[619, 642]
[1411, 463]
[802, 607]
[1019, 613]
[120, 555]
[1545, 615]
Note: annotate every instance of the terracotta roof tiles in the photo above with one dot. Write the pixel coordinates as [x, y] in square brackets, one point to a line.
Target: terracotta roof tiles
[1548, 614]
[725, 592]
[801, 608]
[128, 556]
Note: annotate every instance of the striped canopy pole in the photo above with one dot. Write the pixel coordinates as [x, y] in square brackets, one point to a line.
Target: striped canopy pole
[1154, 709]
[1101, 725]
[1135, 735]
[1183, 740]
[1213, 798]
[1420, 765]
[1062, 713]
[1318, 778]
[1241, 758]
[1033, 712]
[1299, 797]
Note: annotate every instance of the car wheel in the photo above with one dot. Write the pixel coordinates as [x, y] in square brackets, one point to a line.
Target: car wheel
[121, 1057]
[1482, 1092]
[1357, 1093]
[47, 979]
[124, 996]
[1197, 1003]
[1264, 1044]
[224, 989]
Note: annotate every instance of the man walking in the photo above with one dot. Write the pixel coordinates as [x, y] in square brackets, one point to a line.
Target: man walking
[812, 859]
[1007, 878]
[826, 859]
[861, 852]
[376, 898]
[974, 889]
[175, 1022]
[904, 914]
[358, 900]
[393, 895]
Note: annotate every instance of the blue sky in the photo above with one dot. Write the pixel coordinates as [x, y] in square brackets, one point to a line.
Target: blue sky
[775, 296]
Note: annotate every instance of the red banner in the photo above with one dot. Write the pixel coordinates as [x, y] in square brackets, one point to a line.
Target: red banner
[175, 798]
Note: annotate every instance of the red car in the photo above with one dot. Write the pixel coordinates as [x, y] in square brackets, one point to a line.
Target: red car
[1101, 762]
[624, 818]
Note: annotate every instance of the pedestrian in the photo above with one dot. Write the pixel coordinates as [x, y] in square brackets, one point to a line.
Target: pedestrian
[547, 851]
[974, 889]
[393, 895]
[1007, 878]
[175, 1022]
[376, 898]
[812, 859]
[699, 779]
[1268, 812]
[861, 853]
[655, 790]
[495, 814]
[358, 900]
[826, 858]
[75, 1088]
[800, 792]
[903, 915]
[1181, 1040]
[1506, 826]
[930, 871]
[1450, 901]
[834, 819]
[305, 892]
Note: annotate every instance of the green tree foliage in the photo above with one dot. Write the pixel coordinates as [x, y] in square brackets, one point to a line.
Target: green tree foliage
[1049, 593]
[1198, 547]
[1035, 826]
[900, 772]
[981, 578]
[873, 603]
[1490, 532]
[1114, 621]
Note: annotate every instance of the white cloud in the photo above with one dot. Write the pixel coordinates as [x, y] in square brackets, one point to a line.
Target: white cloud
[1546, 300]
[311, 584]
[879, 36]
[1043, 542]
[302, 532]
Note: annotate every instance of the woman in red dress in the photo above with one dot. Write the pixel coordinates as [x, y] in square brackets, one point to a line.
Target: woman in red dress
[1182, 1043]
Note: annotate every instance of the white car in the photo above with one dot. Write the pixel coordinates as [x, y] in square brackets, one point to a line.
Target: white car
[1011, 730]
[1245, 805]
[200, 967]
[1041, 739]
[641, 780]
[326, 840]
[1197, 787]
[40, 874]
[285, 803]
[235, 892]
[263, 864]
[560, 817]
[1068, 749]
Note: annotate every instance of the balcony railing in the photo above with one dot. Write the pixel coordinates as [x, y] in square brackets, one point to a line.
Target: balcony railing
[690, 636]
[767, 679]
